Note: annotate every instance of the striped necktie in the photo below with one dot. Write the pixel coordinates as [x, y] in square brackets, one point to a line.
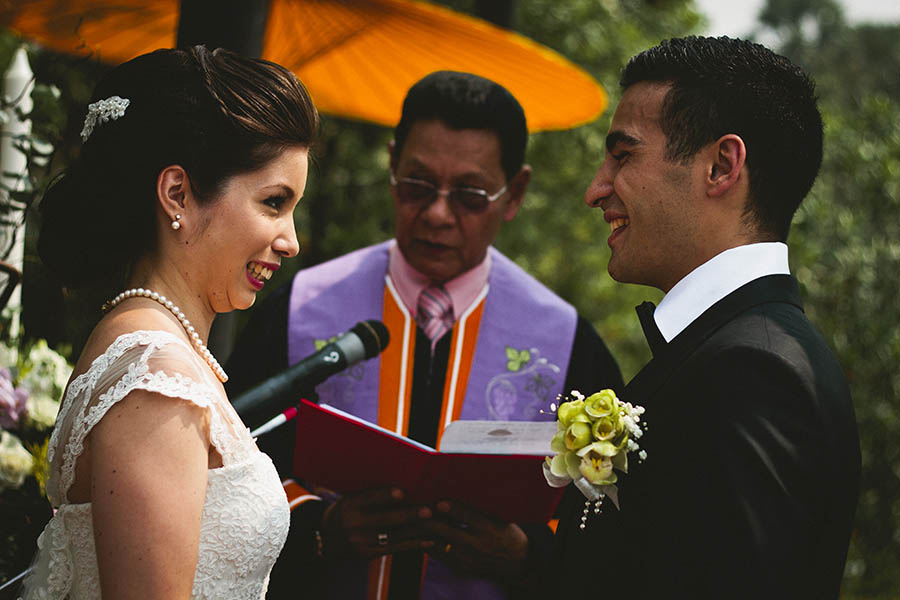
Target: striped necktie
[435, 315]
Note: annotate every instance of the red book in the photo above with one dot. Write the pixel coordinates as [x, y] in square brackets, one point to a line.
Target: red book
[346, 454]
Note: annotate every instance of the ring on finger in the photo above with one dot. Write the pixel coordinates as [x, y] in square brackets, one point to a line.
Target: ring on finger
[382, 539]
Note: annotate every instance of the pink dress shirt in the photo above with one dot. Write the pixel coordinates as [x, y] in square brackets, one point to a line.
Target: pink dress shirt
[463, 289]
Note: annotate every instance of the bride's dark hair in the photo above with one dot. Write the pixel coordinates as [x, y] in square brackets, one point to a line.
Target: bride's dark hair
[213, 112]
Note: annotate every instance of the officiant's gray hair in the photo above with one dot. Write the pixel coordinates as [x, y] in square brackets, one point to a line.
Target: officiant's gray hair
[214, 113]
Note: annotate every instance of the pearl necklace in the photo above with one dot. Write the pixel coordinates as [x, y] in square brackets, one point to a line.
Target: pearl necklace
[189, 329]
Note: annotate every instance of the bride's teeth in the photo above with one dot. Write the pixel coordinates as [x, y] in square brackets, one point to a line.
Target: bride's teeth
[259, 272]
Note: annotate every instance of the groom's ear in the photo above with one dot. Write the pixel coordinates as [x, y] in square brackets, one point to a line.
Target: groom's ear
[726, 166]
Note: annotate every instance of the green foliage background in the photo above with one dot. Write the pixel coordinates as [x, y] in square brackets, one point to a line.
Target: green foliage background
[845, 243]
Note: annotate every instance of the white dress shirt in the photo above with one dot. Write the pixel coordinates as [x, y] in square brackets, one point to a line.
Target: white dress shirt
[715, 279]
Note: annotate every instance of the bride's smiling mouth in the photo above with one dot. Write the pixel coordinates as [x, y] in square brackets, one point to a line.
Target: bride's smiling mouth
[258, 273]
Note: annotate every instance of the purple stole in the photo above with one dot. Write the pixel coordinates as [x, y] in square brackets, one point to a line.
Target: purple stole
[508, 359]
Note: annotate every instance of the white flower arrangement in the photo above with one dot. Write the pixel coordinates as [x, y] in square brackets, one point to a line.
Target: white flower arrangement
[30, 394]
[44, 371]
[594, 437]
[16, 462]
[41, 412]
[102, 111]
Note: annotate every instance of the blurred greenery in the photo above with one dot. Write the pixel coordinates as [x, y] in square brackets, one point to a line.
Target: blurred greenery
[845, 248]
[845, 243]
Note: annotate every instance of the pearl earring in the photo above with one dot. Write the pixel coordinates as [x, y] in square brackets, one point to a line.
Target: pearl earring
[175, 224]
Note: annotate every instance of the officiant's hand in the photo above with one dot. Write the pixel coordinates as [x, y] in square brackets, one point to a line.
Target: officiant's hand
[372, 523]
[476, 544]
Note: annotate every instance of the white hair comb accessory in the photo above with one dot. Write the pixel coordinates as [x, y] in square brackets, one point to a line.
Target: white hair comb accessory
[102, 111]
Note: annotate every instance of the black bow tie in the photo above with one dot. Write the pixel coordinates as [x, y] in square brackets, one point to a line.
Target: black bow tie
[655, 339]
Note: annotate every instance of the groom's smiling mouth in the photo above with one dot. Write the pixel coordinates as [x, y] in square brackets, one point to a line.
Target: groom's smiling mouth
[618, 223]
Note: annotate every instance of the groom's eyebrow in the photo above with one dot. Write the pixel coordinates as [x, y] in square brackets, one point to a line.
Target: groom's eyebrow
[619, 137]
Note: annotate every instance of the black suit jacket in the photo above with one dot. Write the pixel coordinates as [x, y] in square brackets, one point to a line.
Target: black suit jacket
[750, 484]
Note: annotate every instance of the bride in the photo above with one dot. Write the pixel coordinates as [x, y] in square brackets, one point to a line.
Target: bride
[191, 167]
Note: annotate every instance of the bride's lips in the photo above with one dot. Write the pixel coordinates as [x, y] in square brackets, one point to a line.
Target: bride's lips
[258, 273]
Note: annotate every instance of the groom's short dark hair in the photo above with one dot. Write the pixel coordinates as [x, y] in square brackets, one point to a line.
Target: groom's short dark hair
[724, 85]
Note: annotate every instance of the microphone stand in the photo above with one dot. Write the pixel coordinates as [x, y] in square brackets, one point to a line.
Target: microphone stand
[16, 578]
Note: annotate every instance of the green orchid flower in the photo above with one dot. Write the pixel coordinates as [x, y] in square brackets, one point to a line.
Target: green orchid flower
[597, 469]
[596, 463]
[578, 435]
[604, 429]
[601, 404]
[620, 461]
[606, 449]
[570, 412]
[558, 443]
[573, 462]
[558, 465]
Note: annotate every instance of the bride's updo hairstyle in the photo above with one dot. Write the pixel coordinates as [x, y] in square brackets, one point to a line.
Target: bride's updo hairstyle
[214, 113]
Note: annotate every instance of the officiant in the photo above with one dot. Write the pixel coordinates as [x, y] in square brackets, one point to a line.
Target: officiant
[473, 336]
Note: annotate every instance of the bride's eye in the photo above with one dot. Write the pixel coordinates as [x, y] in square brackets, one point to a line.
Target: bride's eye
[275, 202]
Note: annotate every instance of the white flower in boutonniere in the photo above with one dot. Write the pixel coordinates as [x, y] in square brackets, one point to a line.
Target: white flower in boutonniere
[594, 437]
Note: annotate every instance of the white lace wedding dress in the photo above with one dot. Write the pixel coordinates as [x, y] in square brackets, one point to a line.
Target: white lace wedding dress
[245, 515]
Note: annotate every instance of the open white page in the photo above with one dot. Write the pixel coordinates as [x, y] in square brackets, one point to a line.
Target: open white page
[499, 437]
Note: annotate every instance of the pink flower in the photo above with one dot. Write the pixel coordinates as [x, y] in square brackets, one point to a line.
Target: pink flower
[12, 401]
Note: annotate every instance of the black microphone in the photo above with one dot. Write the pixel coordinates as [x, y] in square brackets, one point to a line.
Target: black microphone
[259, 404]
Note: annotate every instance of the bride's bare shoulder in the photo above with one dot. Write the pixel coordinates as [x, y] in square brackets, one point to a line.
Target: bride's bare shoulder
[119, 322]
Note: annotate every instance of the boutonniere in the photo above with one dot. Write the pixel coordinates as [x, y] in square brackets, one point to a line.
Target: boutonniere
[594, 437]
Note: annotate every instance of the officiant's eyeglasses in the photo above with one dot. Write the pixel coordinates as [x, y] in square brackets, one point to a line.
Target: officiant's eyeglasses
[418, 191]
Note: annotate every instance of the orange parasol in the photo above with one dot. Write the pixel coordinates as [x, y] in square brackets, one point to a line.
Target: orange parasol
[357, 57]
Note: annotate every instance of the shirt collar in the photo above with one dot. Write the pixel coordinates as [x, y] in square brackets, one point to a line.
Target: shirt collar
[463, 288]
[715, 279]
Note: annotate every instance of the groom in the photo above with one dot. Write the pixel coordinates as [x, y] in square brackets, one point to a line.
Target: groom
[750, 482]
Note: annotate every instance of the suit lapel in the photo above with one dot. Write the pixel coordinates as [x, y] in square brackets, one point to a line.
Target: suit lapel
[771, 288]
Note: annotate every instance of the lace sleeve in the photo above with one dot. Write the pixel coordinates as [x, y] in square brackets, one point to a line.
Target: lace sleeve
[153, 361]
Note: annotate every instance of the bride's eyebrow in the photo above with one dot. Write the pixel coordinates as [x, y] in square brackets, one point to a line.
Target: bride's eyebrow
[280, 189]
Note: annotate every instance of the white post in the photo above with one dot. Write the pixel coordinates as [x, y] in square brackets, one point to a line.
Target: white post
[18, 82]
